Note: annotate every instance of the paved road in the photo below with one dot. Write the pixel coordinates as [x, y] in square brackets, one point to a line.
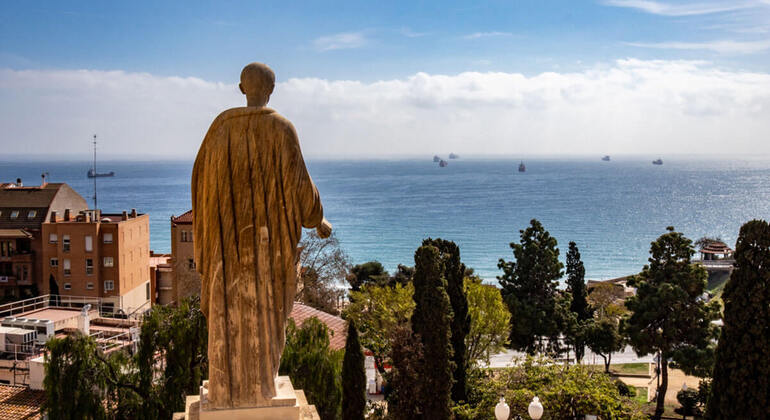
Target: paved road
[506, 358]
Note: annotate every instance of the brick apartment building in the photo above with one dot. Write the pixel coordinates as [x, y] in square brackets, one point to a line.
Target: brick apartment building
[64, 248]
[102, 255]
[23, 210]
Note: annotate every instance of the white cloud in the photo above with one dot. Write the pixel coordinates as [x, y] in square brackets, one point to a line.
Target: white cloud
[345, 40]
[722, 47]
[477, 35]
[683, 8]
[629, 106]
[412, 34]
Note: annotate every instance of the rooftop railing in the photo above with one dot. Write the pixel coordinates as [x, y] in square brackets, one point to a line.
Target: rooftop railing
[54, 301]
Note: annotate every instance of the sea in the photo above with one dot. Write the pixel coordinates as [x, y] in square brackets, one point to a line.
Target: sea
[382, 209]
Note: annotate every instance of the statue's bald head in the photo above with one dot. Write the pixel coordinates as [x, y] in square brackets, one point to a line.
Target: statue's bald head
[257, 83]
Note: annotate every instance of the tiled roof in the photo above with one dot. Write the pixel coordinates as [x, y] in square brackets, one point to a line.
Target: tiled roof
[301, 312]
[19, 402]
[38, 199]
[186, 217]
[28, 197]
[716, 248]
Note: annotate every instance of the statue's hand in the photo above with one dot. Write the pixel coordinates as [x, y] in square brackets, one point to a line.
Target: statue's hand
[324, 229]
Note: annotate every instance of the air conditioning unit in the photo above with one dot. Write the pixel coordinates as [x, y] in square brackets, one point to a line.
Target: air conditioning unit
[43, 328]
[16, 339]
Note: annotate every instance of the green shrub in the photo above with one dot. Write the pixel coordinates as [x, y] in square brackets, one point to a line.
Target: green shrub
[565, 392]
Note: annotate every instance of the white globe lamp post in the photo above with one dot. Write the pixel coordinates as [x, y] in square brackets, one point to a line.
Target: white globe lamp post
[535, 409]
[502, 411]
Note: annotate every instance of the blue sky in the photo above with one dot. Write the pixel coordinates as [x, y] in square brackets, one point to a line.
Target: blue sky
[374, 40]
[402, 77]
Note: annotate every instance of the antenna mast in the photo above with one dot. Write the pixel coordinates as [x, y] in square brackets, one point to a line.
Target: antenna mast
[94, 173]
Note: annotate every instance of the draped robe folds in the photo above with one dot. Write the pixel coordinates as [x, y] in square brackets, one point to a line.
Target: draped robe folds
[251, 196]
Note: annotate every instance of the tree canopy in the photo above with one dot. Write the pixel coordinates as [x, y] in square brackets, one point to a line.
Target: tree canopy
[353, 377]
[668, 313]
[579, 307]
[431, 322]
[368, 272]
[454, 273]
[740, 388]
[529, 289]
[377, 311]
[324, 268]
[169, 365]
[490, 322]
[313, 366]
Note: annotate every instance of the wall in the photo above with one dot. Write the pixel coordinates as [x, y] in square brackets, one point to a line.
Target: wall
[187, 281]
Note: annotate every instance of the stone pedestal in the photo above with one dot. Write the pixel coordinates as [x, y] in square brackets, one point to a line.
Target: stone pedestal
[288, 404]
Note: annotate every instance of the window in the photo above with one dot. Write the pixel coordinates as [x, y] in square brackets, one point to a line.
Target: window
[67, 286]
[54, 263]
[90, 285]
[14, 214]
[186, 236]
[191, 264]
[89, 243]
[65, 241]
[107, 238]
[53, 238]
[24, 273]
[147, 290]
[89, 266]
[109, 285]
[31, 214]
[67, 267]
[108, 262]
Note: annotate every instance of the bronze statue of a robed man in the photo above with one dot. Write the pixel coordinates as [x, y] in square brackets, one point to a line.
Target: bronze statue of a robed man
[251, 197]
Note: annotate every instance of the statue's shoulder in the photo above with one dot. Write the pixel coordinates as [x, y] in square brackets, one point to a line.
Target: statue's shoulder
[234, 117]
[240, 112]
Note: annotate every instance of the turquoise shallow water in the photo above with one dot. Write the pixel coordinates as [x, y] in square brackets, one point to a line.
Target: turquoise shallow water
[382, 209]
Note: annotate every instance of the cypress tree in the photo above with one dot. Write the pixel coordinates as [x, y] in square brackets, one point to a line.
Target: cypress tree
[431, 322]
[529, 289]
[576, 286]
[404, 380]
[353, 377]
[454, 273]
[740, 387]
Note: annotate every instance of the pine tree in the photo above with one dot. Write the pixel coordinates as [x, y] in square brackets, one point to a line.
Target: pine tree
[576, 286]
[431, 322]
[454, 273]
[353, 377]
[529, 289]
[740, 388]
[669, 316]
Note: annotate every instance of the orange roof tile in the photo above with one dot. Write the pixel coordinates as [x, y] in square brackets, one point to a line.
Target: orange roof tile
[19, 402]
[186, 218]
[337, 325]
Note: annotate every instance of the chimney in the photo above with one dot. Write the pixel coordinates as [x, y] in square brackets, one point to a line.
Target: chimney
[43, 183]
[18, 183]
[87, 217]
[53, 217]
[125, 215]
[133, 213]
[66, 215]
